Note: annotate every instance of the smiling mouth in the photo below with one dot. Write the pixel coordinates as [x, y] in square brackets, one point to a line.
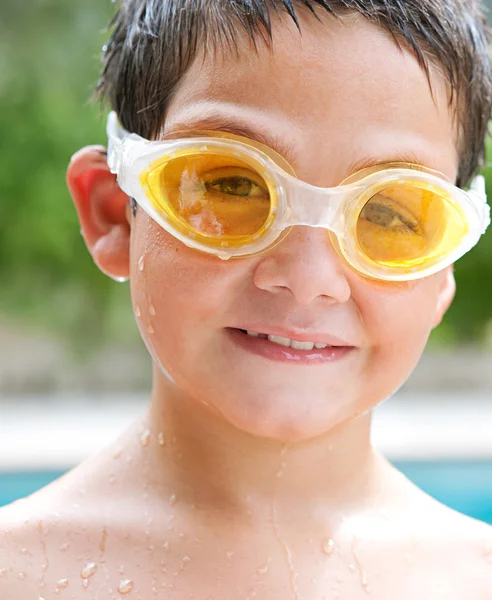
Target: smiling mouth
[287, 342]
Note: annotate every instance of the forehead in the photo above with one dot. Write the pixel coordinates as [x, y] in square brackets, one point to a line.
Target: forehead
[342, 93]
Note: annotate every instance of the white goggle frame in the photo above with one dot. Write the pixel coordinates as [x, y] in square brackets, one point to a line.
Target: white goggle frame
[298, 203]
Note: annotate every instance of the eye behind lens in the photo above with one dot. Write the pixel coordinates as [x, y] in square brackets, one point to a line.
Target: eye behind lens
[409, 226]
[220, 198]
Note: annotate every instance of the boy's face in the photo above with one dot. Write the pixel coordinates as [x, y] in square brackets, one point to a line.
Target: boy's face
[341, 97]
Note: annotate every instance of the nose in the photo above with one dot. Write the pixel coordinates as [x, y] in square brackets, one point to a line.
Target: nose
[306, 265]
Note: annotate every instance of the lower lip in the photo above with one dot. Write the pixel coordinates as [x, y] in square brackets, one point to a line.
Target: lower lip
[264, 347]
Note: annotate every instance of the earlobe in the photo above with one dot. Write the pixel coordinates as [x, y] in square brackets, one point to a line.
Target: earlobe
[447, 290]
[102, 209]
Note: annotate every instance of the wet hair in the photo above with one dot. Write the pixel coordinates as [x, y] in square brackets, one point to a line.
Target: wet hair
[154, 42]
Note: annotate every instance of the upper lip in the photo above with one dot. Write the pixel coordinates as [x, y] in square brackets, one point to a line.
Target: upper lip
[299, 335]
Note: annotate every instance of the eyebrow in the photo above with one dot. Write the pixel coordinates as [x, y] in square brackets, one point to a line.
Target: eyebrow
[396, 157]
[280, 145]
[230, 125]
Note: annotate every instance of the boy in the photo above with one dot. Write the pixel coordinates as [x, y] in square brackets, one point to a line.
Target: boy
[279, 307]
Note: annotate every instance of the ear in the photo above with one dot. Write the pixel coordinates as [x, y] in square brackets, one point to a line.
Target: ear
[103, 211]
[446, 292]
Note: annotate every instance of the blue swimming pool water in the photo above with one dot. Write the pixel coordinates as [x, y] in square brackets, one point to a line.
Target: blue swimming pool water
[465, 486]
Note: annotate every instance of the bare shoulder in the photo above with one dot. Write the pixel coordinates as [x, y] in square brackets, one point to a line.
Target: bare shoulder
[43, 546]
[20, 552]
[459, 546]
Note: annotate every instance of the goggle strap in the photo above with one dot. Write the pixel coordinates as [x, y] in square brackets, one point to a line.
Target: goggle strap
[115, 143]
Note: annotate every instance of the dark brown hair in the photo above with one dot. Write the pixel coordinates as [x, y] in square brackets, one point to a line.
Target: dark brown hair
[153, 42]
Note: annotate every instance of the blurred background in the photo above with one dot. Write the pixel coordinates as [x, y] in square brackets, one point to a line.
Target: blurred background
[73, 371]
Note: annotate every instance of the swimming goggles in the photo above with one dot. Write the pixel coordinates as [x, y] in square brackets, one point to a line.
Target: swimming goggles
[233, 197]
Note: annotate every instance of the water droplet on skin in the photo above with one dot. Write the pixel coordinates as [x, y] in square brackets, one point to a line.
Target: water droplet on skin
[138, 313]
[64, 547]
[62, 584]
[24, 551]
[165, 546]
[85, 584]
[262, 570]
[229, 554]
[145, 438]
[172, 500]
[126, 586]
[328, 547]
[141, 264]
[152, 310]
[22, 575]
[150, 330]
[352, 568]
[3, 572]
[161, 439]
[88, 570]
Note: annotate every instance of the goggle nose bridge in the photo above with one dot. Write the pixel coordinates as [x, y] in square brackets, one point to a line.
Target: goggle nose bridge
[313, 206]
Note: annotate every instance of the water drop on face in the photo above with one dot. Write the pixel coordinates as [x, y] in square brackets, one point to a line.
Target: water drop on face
[152, 310]
[138, 312]
[150, 330]
[22, 575]
[126, 586]
[352, 568]
[62, 583]
[161, 439]
[145, 438]
[64, 547]
[328, 547]
[172, 500]
[24, 551]
[88, 570]
[3, 572]
[141, 264]
[262, 570]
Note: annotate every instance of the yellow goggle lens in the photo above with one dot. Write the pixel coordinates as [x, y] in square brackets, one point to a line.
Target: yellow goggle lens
[212, 195]
[408, 226]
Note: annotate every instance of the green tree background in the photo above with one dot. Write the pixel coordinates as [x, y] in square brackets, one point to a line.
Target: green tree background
[49, 63]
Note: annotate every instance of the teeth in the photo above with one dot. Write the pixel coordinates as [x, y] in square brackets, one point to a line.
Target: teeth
[301, 345]
[288, 343]
[280, 340]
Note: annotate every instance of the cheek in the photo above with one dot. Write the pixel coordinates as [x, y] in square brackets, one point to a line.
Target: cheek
[399, 319]
[175, 290]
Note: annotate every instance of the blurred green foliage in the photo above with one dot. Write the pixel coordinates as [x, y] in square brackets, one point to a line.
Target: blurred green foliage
[49, 65]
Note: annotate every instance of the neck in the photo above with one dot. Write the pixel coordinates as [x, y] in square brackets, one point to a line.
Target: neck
[200, 458]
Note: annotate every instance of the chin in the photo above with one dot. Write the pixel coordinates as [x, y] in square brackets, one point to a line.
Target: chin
[287, 419]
